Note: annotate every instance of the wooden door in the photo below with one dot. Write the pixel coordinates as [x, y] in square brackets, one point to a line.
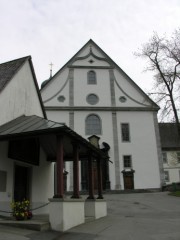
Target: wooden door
[128, 181]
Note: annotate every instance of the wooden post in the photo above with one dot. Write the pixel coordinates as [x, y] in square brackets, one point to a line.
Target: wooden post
[59, 169]
[90, 173]
[99, 172]
[75, 171]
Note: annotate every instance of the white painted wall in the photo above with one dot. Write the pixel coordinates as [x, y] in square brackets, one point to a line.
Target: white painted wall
[43, 184]
[142, 146]
[172, 166]
[20, 97]
[50, 96]
[66, 213]
[42, 181]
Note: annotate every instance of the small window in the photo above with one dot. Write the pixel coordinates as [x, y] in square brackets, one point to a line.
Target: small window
[178, 157]
[61, 98]
[164, 157]
[92, 99]
[166, 176]
[93, 125]
[127, 161]
[122, 99]
[91, 77]
[125, 132]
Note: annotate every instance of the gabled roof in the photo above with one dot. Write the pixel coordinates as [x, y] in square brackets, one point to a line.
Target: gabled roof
[110, 61]
[9, 69]
[169, 136]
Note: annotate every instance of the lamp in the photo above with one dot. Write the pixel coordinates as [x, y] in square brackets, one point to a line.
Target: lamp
[94, 140]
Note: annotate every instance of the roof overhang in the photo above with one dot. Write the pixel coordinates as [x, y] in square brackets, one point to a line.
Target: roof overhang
[46, 132]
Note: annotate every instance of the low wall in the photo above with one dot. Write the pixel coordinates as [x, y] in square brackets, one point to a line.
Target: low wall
[66, 213]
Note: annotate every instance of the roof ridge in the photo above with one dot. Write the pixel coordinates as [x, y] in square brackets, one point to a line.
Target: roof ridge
[17, 59]
[9, 69]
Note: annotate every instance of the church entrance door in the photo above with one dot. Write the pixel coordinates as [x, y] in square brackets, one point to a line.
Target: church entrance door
[21, 183]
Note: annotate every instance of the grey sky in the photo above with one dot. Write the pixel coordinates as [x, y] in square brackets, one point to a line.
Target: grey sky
[54, 30]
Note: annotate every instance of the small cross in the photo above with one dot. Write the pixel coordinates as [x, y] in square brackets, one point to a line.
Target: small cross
[51, 64]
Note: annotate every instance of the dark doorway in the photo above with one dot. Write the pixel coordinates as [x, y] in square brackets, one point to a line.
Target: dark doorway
[128, 180]
[21, 183]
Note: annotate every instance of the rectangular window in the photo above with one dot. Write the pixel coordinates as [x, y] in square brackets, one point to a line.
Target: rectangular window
[178, 157]
[127, 161]
[164, 157]
[125, 132]
[166, 176]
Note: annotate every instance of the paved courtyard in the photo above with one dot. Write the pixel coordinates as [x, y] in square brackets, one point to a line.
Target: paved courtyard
[137, 216]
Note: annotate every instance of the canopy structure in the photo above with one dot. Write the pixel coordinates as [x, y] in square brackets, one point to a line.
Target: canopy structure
[26, 134]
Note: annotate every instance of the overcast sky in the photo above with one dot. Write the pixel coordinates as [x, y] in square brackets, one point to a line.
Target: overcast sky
[54, 30]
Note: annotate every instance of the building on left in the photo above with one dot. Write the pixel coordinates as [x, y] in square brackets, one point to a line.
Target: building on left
[33, 149]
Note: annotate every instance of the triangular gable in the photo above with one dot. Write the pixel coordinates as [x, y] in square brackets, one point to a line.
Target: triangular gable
[8, 70]
[105, 58]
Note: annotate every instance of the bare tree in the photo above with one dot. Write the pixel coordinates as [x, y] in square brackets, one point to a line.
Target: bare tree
[163, 57]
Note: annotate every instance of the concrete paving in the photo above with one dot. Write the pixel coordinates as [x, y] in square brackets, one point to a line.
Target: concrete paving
[133, 216]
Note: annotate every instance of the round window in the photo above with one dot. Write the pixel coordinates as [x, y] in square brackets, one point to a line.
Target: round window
[122, 99]
[61, 98]
[92, 99]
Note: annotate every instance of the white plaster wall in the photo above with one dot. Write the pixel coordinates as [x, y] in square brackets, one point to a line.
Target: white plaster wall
[172, 166]
[85, 51]
[142, 147]
[65, 214]
[174, 175]
[101, 89]
[20, 96]
[130, 90]
[58, 116]
[106, 136]
[43, 184]
[56, 88]
[95, 63]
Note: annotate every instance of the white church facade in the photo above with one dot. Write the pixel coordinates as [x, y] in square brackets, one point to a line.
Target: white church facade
[93, 96]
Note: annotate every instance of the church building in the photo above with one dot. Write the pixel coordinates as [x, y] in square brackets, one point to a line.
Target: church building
[93, 96]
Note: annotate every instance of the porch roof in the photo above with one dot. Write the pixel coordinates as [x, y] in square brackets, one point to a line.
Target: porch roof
[46, 131]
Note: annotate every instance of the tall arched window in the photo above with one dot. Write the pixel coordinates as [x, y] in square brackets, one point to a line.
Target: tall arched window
[91, 77]
[93, 125]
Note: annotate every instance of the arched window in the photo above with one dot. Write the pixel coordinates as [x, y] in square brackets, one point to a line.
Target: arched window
[93, 125]
[91, 77]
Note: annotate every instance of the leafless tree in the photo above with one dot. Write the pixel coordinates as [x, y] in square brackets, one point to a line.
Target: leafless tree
[163, 57]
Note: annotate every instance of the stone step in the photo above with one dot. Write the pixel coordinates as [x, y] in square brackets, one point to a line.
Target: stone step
[37, 225]
[89, 219]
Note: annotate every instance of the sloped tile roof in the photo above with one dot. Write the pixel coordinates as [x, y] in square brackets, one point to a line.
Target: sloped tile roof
[9, 69]
[169, 136]
[36, 126]
[27, 124]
